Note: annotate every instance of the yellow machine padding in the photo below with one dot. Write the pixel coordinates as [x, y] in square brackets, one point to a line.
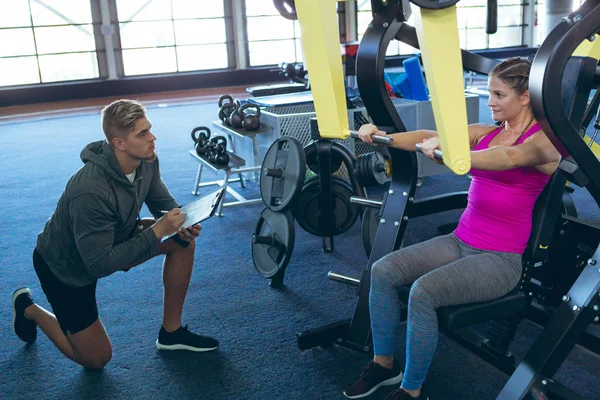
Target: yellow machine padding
[590, 49]
[437, 31]
[322, 56]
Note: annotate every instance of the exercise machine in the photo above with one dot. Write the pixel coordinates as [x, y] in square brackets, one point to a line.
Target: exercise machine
[575, 36]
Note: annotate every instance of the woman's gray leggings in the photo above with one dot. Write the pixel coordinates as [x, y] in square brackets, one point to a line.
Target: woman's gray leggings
[444, 271]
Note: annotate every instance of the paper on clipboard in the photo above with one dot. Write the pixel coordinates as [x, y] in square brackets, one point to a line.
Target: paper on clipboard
[200, 210]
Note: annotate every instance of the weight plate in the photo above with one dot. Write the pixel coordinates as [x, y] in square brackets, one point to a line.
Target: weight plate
[378, 167]
[371, 169]
[285, 156]
[273, 242]
[370, 222]
[312, 158]
[306, 207]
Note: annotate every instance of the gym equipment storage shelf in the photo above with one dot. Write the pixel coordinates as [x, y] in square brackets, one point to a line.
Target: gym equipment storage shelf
[234, 166]
[234, 161]
[261, 139]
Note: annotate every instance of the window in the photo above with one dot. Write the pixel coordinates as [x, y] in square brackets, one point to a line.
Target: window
[471, 16]
[33, 48]
[364, 17]
[272, 39]
[541, 22]
[162, 36]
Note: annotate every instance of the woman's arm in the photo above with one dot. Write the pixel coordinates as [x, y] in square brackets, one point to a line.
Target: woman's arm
[409, 140]
[535, 151]
[402, 140]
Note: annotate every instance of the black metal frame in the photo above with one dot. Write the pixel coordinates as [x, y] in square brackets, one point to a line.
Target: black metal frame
[548, 66]
[399, 204]
[370, 65]
[581, 304]
[568, 321]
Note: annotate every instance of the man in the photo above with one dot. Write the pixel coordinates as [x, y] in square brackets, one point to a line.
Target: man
[96, 230]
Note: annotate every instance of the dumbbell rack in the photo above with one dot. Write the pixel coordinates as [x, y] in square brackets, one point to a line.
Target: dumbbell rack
[233, 167]
[236, 164]
[253, 157]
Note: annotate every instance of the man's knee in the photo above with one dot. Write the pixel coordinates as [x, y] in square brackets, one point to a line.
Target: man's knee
[91, 347]
[171, 247]
[94, 356]
[187, 250]
[98, 361]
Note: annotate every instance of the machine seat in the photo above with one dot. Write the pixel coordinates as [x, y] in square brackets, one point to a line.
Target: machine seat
[462, 316]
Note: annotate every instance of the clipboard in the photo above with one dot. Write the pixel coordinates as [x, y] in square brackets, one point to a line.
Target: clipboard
[200, 210]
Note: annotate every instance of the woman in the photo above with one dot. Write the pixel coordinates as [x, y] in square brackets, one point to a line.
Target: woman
[481, 259]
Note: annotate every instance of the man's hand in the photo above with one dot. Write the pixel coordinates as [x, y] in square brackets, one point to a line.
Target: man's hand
[367, 131]
[168, 223]
[190, 234]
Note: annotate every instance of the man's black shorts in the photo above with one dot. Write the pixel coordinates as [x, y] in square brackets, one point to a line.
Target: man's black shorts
[75, 307]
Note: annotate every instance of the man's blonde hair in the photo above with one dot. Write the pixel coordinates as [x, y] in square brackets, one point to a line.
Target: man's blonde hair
[119, 117]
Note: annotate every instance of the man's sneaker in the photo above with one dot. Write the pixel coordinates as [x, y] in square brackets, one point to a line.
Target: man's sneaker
[372, 377]
[184, 339]
[25, 329]
[401, 394]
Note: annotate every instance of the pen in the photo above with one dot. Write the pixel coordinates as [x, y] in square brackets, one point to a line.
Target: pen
[165, 211]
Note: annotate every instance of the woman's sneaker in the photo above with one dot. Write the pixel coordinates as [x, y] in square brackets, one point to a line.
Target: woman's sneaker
[184, 339]
[372, 377]
[25, 329]
[401, 394]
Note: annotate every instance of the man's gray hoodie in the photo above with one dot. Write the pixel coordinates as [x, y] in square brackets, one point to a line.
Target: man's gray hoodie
[89, 236]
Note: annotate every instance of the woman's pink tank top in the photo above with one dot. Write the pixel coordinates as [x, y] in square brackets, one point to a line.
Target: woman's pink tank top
[500, 204]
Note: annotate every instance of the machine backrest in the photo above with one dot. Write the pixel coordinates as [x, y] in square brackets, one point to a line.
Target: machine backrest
[575, 89]
[545, 214]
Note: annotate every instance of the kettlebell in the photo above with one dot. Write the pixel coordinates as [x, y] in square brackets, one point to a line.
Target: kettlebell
[221, 157]
[225, 113]
[250, 122]
[209, 148]
[218, 151]
[235, 118]
[200, 140]
[223, 101]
